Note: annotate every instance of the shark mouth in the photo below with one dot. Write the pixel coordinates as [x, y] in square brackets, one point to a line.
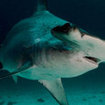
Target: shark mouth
[92, 60]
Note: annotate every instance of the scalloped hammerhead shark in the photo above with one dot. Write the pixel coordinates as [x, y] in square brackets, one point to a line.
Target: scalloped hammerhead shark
[47, 48]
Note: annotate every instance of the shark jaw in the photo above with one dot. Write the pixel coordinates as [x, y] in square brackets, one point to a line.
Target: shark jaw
[92, 60]
[91, 47]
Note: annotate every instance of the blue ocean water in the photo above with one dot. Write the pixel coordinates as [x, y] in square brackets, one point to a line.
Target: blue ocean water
[88, 89]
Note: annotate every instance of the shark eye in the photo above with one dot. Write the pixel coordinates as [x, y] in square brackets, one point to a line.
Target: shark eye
[65, 28]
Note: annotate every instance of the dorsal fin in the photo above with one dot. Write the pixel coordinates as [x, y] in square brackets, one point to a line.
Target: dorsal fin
[41, 5]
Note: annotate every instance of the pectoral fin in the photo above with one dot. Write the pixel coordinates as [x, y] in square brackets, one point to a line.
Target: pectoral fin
[56, 89]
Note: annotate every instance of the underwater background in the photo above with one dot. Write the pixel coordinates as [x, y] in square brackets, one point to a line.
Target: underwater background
[87, 89]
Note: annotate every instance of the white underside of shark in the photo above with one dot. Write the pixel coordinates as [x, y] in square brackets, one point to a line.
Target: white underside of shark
[46, 48]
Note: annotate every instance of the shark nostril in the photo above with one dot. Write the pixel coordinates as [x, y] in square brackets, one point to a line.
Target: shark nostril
[74, 27]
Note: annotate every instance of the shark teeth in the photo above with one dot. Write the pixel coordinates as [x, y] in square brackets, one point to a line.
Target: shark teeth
[92, 59]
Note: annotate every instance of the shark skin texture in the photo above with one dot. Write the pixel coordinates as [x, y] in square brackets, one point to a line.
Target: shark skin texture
[47, 48]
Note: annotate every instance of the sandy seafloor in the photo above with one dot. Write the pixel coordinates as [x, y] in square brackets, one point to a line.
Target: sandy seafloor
[88, 89]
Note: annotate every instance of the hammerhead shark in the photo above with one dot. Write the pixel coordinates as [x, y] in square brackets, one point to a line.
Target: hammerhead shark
[47, 48]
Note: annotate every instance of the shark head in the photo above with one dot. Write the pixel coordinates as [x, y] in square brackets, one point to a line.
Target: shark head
[88, 49]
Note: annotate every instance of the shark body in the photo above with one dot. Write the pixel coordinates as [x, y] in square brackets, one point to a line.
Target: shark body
[46, 48]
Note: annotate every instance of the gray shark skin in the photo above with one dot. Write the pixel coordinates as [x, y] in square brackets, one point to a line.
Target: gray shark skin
[47, 48]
